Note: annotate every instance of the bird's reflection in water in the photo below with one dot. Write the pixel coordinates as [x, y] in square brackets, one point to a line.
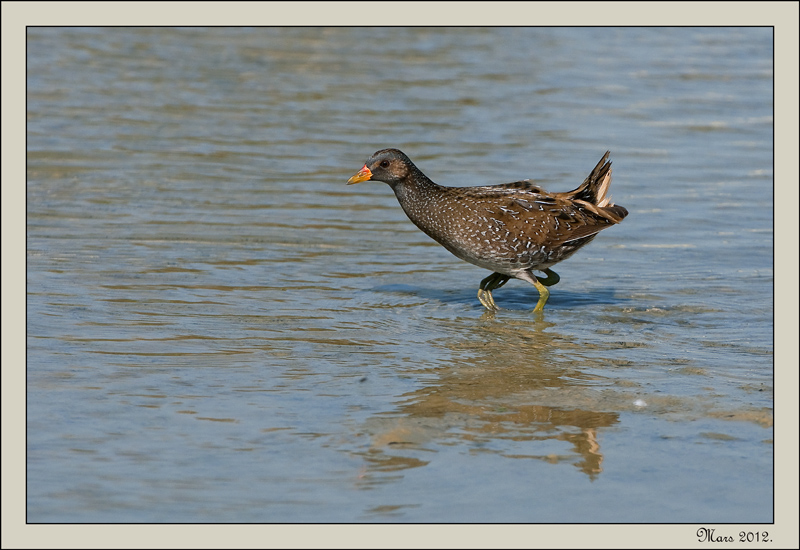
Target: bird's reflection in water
[513, 389]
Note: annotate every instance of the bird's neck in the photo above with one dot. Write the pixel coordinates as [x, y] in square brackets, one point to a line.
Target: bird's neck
[417, 187]
[420, 199]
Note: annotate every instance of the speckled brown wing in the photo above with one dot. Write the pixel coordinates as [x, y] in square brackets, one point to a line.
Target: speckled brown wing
[566, 220]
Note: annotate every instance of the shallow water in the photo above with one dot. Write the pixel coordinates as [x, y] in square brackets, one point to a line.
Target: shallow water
[219, 330]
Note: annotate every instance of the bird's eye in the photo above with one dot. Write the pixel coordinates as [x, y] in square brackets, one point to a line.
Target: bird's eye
[385, 164]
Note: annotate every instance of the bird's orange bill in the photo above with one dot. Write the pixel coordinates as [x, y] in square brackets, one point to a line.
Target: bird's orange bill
[362, 175]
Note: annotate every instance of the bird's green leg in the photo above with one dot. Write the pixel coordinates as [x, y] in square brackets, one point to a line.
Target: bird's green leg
[541, 284]
[493, 281]
[544, 294]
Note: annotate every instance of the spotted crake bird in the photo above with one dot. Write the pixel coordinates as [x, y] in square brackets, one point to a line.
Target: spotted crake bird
[512, 229]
